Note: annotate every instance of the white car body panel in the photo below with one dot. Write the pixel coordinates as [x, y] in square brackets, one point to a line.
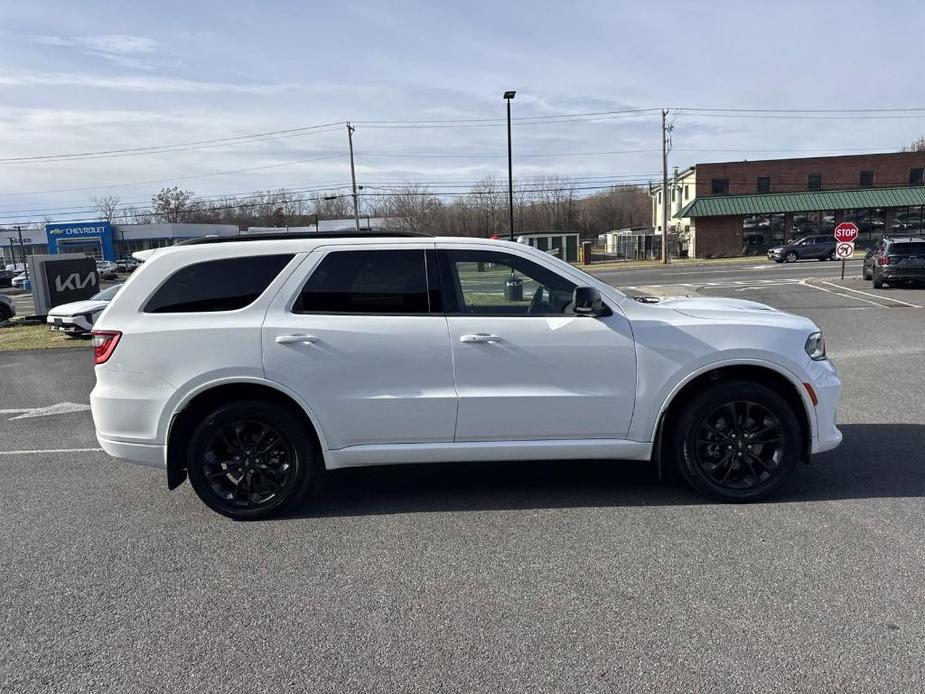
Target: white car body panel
[385, 389]
[77, 316]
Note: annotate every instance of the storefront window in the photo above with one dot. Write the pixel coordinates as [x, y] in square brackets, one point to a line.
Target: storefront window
[908, 220]
[827, 225]
[805, 224]
[760, 232]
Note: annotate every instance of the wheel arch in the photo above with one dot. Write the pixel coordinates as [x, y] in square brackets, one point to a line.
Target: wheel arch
[207, 397]
[783, 382]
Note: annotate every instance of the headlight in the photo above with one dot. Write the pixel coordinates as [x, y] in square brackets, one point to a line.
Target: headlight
[815, 347]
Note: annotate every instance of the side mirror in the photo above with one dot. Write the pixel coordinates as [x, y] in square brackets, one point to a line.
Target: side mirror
[586, 301]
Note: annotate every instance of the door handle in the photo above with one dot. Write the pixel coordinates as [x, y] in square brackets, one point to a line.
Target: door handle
[480, 337]
[296, 339]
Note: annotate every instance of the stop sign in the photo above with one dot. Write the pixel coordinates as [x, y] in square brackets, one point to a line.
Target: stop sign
[846, 232]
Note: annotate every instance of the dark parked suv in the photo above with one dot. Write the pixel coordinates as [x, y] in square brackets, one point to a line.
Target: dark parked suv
[807, 248]
[896, 260]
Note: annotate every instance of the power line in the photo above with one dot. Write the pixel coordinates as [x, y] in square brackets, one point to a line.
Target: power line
[177, 147]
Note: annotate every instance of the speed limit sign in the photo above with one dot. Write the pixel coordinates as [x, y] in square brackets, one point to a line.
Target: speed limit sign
[844, 251]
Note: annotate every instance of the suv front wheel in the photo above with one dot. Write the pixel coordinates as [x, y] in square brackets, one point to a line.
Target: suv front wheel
[251, 459]
[737, 441]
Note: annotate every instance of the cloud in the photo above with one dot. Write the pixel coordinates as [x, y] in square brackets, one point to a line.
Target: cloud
[134, 83]
[121, 49]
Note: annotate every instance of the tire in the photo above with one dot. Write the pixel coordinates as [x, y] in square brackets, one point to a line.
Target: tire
[791, 257]
[227, 474]
[742, 471]
[865, 273]
[878, 283]
[832, 256]
[5, 314]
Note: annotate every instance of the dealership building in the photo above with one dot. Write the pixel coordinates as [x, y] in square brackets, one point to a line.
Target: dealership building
[744, 207]
[106, 241]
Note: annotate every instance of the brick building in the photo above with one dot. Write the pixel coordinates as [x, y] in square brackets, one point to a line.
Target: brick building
[734, 208]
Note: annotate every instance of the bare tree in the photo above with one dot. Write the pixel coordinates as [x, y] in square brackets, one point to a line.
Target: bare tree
[106, 206]
[172, 205]
[918, 145]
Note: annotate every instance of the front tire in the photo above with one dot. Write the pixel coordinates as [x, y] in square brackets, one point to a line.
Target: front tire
[251, 459]
[791, 257]
[737, 441]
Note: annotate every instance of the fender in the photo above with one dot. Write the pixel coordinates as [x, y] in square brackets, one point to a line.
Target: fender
[712, 366]
[236, 380]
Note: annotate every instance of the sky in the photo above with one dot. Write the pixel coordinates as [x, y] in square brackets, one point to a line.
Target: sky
[96, 76]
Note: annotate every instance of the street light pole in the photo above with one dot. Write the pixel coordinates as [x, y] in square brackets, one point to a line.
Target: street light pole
[665, 258]
[510, 166]
[22, 253]
[353, 179]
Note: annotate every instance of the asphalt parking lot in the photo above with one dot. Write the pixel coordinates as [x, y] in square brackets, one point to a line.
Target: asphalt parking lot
[572, 577]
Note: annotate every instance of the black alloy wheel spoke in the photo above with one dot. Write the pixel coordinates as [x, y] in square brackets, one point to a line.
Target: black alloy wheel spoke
[238, 468]
[738, 444]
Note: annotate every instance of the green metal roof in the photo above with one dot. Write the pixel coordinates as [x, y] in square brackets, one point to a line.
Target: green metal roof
[769, 203]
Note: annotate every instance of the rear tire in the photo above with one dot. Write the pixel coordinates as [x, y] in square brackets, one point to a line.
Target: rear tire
[865, 274]
[878, 283]
[5, 314]
[736, 441]
[252, 459]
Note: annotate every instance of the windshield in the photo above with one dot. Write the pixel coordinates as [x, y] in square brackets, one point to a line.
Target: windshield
[107, 294]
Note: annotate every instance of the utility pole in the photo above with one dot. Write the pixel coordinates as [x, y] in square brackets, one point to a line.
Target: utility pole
[665, 258]
[508, 95]
[353, 178]
[22, 253]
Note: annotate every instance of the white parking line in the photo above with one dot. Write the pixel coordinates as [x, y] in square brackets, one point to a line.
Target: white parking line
[40, 451]
[844, 296]
[876, 296]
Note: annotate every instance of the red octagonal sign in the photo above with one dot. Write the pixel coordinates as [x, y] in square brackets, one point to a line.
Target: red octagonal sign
[846, 232]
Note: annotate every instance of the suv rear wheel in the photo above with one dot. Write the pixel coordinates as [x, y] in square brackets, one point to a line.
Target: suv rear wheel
[737, 441]
[251, 459]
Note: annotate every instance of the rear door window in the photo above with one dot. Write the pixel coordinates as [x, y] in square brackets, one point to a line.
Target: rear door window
[367, 282]
[217, 285]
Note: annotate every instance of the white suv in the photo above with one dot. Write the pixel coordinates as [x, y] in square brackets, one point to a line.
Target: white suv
[251, 366]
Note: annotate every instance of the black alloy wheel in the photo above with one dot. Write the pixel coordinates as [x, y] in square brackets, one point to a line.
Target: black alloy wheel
[791, 257]
[249, 460]
[739, 442]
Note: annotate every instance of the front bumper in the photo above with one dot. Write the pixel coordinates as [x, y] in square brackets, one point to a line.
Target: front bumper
[70, 324]
[827, 386]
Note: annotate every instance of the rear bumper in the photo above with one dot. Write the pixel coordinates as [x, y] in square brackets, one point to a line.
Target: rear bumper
[152, 455]
[912, 274]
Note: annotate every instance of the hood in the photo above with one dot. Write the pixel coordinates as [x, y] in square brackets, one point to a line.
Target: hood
[734, 310]
[76, 308]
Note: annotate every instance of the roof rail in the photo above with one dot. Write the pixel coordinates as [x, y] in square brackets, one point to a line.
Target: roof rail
[301, 235]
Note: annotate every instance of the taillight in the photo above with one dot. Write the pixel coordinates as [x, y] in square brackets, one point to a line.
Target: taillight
[104, 344]
[883, 260]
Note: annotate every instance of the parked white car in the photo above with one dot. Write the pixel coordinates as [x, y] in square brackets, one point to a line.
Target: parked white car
[78, 317]
[19, 281]
[251, 366]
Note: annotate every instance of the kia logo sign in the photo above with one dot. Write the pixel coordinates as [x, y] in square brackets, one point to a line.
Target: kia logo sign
[70, 279]
[74, 281]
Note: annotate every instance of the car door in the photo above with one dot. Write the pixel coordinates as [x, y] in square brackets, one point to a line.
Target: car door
[525, 367]
[356, 334]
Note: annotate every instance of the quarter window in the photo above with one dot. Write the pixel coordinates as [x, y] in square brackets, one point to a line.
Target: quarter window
[217, 285]
[489, 283]
[393, 281]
